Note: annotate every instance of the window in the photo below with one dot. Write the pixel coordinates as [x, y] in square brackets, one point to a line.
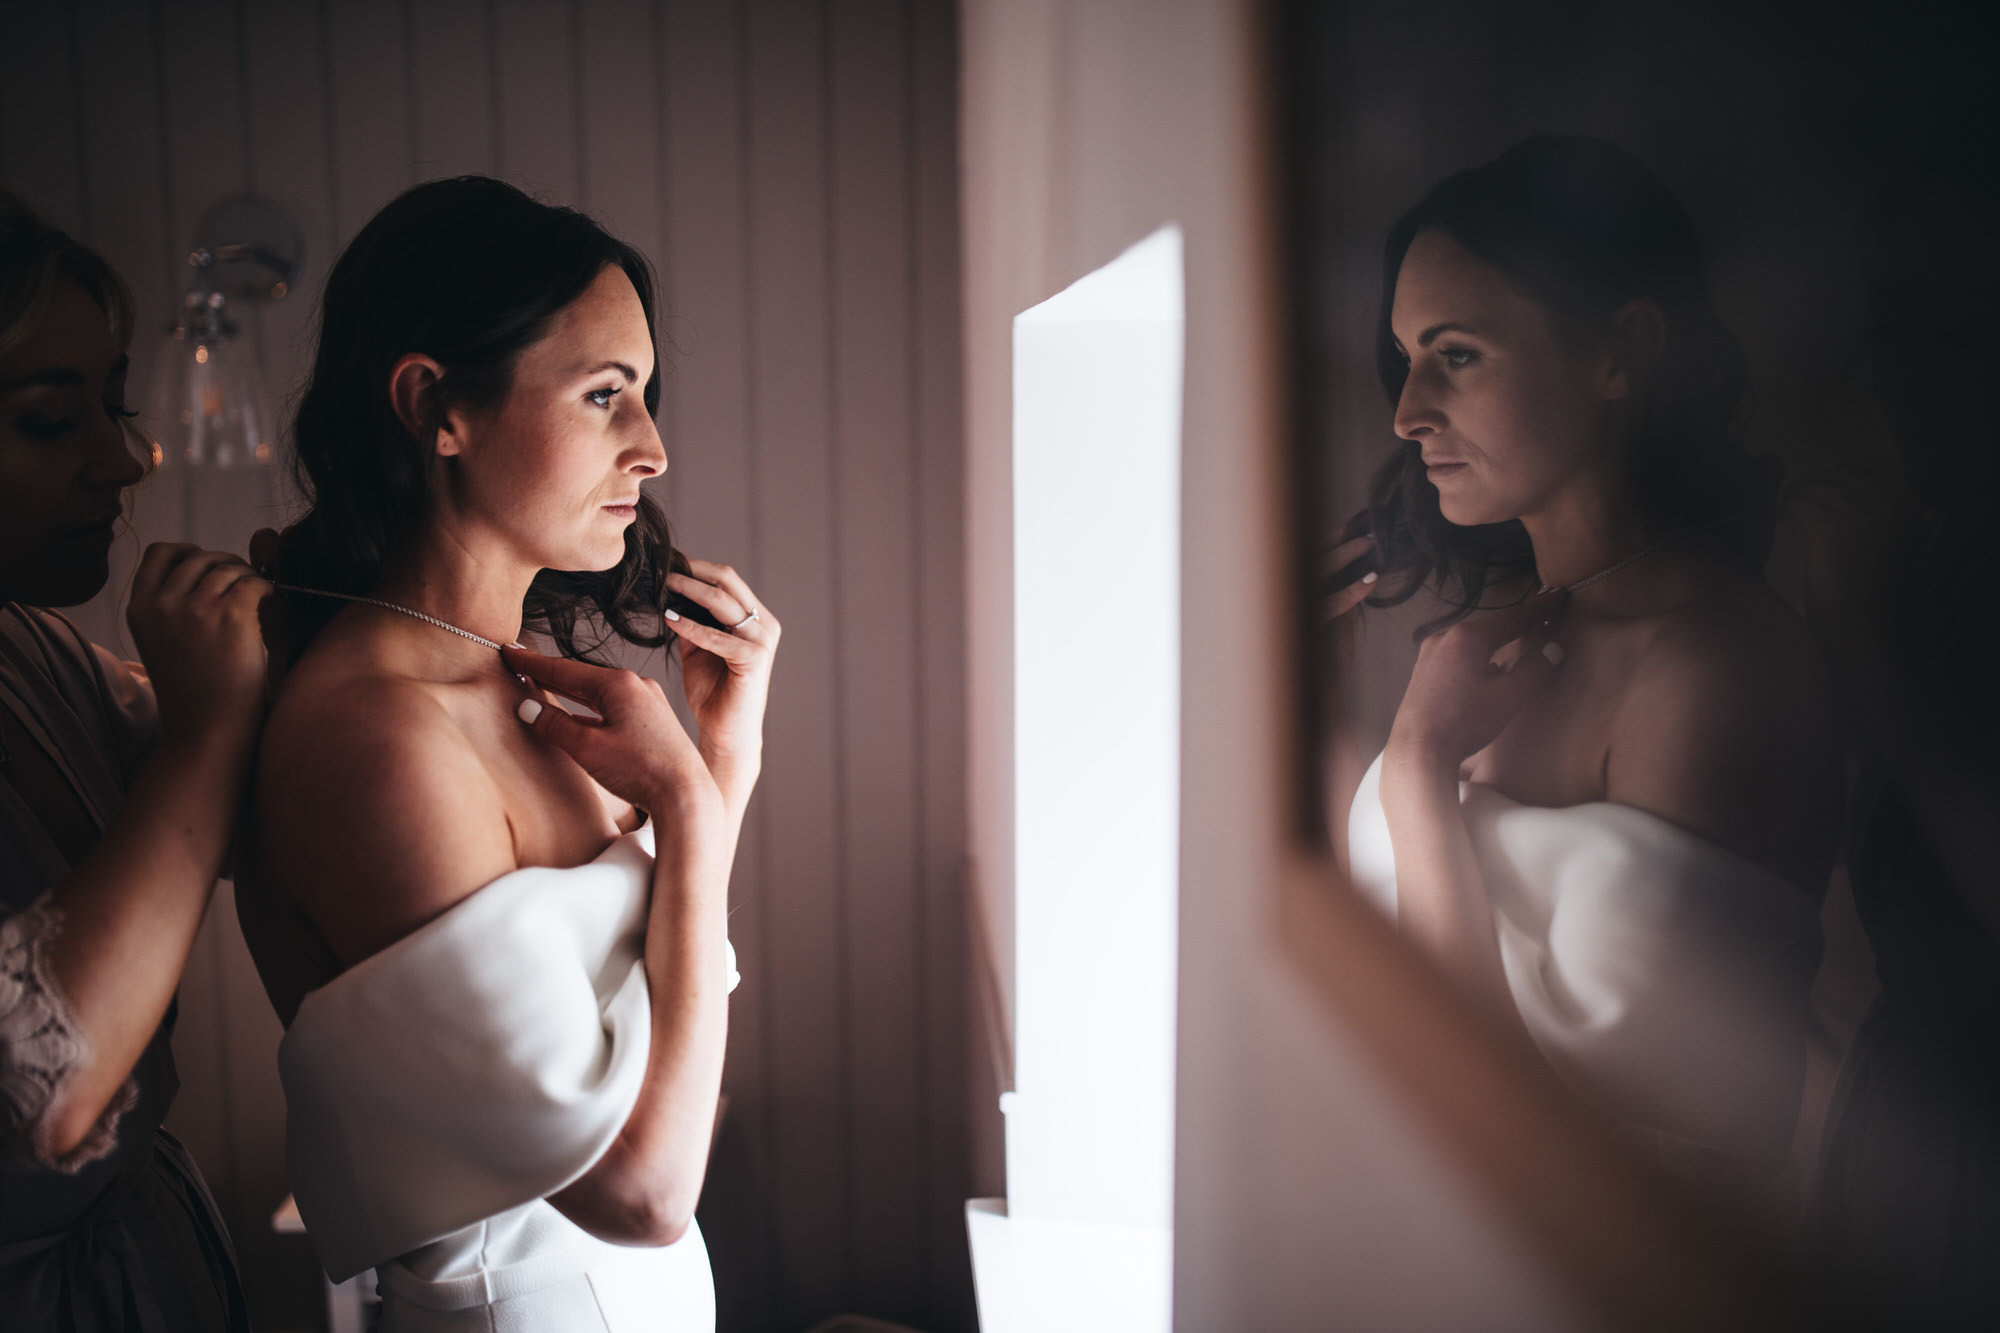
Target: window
[1096, 513]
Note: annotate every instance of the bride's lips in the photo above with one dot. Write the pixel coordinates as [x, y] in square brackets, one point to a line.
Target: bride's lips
[1443, 467]
[630, 509]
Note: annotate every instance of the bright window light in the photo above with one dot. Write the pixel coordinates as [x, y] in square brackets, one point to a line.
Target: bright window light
[1097, 419]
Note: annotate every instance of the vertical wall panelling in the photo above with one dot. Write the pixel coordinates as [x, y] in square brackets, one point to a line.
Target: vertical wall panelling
[535, 99]
[790, 168]
[931, 86]
[373, 135]
[618, 141]
[451, 87]
[290, 146]
[41, 147]
[802, 850]
[875, 563]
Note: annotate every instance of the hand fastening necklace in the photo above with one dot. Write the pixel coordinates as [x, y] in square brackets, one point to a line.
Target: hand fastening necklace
[391, 606]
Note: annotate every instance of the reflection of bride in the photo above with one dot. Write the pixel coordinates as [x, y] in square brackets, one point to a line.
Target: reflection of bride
[1609, 801]
[495, 930]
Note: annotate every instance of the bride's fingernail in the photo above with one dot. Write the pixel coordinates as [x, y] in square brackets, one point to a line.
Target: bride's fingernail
[529, 710]
[1370, 576]
[673, 615]
[1554, 652]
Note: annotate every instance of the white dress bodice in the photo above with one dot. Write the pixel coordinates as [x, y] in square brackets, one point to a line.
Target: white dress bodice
[439, 1091]
[1666, 977]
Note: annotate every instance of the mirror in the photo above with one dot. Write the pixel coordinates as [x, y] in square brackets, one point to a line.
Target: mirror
[1637, 364]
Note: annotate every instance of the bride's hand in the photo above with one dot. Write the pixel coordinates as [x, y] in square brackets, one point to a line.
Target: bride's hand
[1470, 681]
[727, 672]
[638, 751]
[1346, 578]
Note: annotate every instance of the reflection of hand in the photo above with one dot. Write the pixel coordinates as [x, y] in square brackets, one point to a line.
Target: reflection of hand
[1345, 594]
[1857, 525]
[194, 616]
[1470, 680]
[1341, 592]
[727, 673]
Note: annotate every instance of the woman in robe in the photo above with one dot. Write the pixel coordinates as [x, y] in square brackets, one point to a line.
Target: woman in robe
[1609, 801]
[119, 787]
[495, 930]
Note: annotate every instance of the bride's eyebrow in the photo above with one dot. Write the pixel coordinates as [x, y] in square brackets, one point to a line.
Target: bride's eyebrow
[1429, 335]
[629, 373]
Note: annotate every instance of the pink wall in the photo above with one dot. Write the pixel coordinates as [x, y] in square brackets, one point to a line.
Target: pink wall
[790, 168]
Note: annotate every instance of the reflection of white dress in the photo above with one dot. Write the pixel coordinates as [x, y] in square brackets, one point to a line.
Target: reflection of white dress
[1664, 975]
[439, 1091]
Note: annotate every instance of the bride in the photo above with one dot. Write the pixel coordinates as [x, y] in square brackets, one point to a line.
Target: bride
[494, 927]
[1609, 800]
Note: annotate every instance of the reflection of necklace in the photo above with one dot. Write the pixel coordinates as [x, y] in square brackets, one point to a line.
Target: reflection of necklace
[1609, 570]
[391, 606]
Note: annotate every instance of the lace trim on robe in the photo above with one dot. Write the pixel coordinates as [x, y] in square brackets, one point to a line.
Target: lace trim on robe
[40, 1046]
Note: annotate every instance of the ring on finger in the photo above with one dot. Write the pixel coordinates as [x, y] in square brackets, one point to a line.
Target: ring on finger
[746, 620]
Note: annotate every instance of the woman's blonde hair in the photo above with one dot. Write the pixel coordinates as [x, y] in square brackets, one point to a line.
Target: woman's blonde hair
[35, 255]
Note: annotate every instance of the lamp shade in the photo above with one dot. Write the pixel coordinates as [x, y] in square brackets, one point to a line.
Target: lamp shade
[217, 418]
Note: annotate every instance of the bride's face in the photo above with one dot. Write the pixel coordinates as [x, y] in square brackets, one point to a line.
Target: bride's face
[1507, 412]
[557, 466]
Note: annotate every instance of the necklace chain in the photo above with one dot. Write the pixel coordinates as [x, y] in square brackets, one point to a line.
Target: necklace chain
[391, 606]
[1609, 570]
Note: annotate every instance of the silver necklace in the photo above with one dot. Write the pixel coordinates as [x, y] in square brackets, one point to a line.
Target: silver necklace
[391, 606]
[1609, 570]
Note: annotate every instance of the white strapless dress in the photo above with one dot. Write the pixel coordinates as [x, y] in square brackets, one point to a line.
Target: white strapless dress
[1666, 977]
[439, 1091]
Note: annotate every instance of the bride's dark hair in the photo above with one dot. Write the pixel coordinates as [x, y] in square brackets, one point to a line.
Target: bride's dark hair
[470, 272]
[1582, 227]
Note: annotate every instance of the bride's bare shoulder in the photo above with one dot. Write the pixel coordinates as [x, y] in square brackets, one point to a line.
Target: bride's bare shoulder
[1729, 728]
[375, 812]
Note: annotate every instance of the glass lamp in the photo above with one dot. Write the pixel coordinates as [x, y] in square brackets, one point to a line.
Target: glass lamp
[246, 252]
[217, 420]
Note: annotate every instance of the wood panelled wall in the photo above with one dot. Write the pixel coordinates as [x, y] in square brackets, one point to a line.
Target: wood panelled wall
[789, 166]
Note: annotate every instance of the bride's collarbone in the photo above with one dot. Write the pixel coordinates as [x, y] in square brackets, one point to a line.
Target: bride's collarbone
[1554, 752]
[558, 815]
